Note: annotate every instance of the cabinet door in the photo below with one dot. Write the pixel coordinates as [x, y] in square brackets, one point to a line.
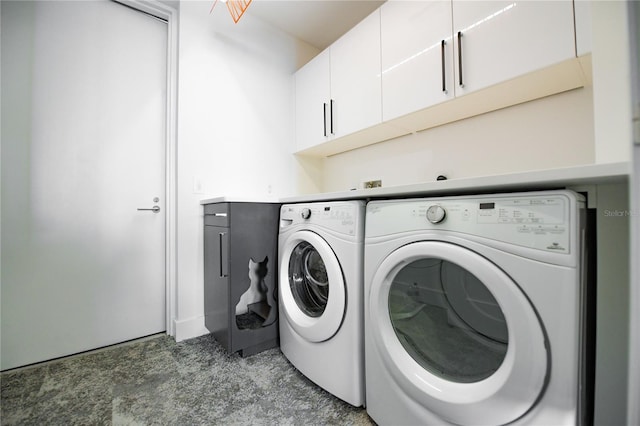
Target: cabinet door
[582, 10]
[355, 78]
[500, 40]
[216, 282]
[312, 102]
[417, 56]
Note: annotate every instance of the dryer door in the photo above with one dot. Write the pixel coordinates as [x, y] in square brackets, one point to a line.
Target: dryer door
[457, 334]
[312, 286]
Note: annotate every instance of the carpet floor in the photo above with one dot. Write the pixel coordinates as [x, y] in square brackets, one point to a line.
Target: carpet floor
[156, 381]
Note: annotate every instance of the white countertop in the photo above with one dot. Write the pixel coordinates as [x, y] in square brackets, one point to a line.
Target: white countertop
[568, 177]
[240, 199]
[533, 180]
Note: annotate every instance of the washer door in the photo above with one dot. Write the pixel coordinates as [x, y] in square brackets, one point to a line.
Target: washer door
[457, 334]
[311, 287]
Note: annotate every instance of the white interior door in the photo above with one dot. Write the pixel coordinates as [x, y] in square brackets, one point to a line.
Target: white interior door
[83, 147]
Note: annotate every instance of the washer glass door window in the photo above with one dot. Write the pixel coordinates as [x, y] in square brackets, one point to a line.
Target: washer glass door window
[308, 279]
[447, 320]
[456, 333]
[312, 288]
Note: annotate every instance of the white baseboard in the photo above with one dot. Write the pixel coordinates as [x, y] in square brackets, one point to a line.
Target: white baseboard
[189, 328]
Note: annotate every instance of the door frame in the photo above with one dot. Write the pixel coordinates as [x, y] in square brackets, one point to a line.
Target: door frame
[170, 15]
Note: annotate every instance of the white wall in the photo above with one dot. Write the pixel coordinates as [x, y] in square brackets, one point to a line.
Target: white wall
[556, 131]
[612, 329]
[611, 81]
[633, 408]
[235, 129]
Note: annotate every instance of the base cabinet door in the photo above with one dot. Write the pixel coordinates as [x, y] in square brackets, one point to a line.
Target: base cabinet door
[240, 272]
[216, 282]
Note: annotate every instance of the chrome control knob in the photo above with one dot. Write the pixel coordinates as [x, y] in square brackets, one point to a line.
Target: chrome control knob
[306, 213]
[436, 214]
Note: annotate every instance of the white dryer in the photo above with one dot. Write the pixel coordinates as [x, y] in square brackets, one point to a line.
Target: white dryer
[474, 310]
[321, 294]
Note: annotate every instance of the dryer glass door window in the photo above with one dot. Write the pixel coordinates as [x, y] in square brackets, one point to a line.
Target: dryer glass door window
[308, 279]
[447, 320]
[457, 333]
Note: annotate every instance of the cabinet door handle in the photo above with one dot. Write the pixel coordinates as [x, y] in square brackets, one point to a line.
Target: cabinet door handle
[444, 81]
[460, 58]
[331, 115]
[324, 121]
[224, 260]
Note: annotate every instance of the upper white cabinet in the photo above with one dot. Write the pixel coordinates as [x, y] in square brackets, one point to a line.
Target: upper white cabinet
[355, 77]
[338, 92]
[495, 41]
[313, 94]
[412, 65]
[582, 9]
[417, 56]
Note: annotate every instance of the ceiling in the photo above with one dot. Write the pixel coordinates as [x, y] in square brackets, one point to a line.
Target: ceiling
[317, 22]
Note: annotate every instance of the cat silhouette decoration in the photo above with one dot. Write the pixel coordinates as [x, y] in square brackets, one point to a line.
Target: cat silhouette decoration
[257, 305]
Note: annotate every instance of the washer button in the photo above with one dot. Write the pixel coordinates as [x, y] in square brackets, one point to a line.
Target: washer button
[436, 214]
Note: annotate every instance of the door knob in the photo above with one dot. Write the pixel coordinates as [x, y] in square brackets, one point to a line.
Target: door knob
[154, 209]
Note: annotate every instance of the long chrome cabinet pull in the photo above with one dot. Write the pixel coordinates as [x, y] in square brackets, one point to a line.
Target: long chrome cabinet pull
[331, 115]
[460, 58]
[444, 82]
[324, 120]
[222, 260]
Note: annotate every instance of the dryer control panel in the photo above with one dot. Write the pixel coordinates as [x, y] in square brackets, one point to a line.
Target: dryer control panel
[545, 221]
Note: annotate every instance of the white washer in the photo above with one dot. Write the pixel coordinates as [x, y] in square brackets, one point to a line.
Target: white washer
[320, 250]
[474, 310]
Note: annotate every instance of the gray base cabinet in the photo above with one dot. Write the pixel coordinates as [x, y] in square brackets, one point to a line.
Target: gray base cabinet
[240, 275]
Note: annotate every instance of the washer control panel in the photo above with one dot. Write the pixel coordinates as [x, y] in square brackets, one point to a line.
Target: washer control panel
[342, 217]
[537, 221]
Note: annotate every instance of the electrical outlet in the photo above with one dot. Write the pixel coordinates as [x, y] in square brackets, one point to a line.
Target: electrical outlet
[372, 184]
